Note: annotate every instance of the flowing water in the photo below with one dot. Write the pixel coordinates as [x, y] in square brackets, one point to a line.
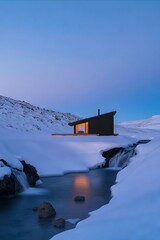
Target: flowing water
[122, 156]
[121, 159]
[19, 222]
[21, 178]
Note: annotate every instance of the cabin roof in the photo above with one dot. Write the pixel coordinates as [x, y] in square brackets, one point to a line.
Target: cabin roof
[91, 118]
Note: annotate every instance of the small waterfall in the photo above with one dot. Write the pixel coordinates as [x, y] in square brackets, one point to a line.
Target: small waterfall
[120, 157]
[21, 178]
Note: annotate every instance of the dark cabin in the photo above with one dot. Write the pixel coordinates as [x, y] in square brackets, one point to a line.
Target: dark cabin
[102, 124]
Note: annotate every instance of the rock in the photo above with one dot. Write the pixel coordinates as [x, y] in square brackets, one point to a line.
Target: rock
[60, 223]
[8, 186]
[30, 172]
[46, 210]
[109, 154]
[4, 162]
[79, 199]
[35, 209]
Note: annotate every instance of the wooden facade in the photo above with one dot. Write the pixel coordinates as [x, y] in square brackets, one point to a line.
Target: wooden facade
[99, 125]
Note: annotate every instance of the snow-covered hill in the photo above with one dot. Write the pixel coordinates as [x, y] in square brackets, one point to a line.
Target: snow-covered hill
[134, 208]
[150, 123]
[23, 116]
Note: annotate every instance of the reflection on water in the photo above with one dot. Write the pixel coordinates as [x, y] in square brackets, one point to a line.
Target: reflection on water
[81, 182]
[19, 222]
[81, 185]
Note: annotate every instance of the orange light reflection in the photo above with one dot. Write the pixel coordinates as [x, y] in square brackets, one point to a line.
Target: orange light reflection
[81, 182]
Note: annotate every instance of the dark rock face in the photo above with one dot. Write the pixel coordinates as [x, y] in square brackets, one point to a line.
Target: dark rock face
[109, 154]
[8, 186]
[46, 210]
[4, 162]
[79, 199]
[60, 223]
[30, 172]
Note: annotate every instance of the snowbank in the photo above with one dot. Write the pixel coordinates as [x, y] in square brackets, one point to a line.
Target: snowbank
[56, 155]
[4, 171]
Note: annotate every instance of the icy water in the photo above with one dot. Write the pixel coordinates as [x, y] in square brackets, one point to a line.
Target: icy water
[19, 222]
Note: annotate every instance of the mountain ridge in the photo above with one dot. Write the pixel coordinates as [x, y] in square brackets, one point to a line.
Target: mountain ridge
[23, 116]
[150, 123]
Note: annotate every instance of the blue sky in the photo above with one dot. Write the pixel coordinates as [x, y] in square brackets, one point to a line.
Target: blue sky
[78, 56]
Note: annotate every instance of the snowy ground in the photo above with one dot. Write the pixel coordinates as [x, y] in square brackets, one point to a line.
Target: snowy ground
[133, 212]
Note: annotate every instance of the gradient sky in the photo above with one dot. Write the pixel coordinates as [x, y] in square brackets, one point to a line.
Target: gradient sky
[78, 56]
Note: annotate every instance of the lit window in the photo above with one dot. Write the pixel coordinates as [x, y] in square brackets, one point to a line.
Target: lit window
[82, 128]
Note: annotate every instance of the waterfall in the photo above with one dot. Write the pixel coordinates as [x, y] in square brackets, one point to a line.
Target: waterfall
[16, 180]
[121, 159]
[21, 178]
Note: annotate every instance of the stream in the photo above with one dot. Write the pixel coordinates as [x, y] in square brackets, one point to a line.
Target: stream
[119, 157]
[18, 221]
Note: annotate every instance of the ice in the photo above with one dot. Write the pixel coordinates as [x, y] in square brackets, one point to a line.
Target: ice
[73, 220]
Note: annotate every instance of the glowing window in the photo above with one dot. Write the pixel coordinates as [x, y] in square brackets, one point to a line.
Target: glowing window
[82, 128]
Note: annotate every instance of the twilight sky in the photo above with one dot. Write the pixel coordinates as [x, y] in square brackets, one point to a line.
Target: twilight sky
[78, 56]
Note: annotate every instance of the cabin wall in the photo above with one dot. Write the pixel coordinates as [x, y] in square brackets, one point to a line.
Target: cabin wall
[103, 125]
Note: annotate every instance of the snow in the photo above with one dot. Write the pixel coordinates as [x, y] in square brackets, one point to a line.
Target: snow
[150, 123]
[51, 155]
[133, 212]
[56, 155]
[25, 117]
[73, 220]
[4, 171]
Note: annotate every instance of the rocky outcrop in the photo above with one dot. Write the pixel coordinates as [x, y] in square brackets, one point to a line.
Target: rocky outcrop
[110, 154]
[18, 180]
[30, 172]
[4, 162]
[46, 210]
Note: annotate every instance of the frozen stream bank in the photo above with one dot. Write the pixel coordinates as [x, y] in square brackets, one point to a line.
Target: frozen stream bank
[119, 157]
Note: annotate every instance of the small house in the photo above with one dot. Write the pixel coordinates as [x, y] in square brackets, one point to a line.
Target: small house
[102, 124]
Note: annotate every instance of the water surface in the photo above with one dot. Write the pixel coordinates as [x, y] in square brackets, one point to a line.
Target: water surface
[19, 222]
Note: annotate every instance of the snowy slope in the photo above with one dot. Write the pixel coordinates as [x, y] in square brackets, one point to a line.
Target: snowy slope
[150, 123]
[23, 116]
